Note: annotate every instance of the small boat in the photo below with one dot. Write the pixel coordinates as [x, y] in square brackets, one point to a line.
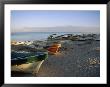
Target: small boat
[54, 48]
[27, 62]
[56, 45]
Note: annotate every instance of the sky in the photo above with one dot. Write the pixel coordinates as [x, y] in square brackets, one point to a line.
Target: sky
[54, 20]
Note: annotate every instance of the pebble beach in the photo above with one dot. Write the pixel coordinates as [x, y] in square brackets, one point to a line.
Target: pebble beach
[74, 59]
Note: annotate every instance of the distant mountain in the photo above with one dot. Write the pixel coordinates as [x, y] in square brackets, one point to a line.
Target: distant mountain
[58, 29]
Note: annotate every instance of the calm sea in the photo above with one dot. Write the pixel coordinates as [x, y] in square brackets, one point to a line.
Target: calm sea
[31, 36]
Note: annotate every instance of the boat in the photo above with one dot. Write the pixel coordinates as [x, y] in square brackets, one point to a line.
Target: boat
[27, 62]
[53, 49]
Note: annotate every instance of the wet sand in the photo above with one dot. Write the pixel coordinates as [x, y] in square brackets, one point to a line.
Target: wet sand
[75, 59]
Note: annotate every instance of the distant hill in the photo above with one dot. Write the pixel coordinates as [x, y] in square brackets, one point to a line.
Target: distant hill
[58, 29]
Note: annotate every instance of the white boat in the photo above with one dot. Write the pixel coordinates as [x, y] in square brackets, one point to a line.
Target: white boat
[27, 64]
[28, 67]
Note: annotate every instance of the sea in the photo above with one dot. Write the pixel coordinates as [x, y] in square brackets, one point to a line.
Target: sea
[31, 36]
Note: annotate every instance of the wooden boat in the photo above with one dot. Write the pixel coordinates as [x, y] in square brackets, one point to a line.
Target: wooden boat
[56, 45]
[54, 48]
[27, 62]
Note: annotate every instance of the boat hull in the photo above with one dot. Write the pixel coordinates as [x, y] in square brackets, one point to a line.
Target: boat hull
[28, 67]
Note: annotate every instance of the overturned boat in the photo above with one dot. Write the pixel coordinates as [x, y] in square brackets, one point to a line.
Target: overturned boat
[27, 62]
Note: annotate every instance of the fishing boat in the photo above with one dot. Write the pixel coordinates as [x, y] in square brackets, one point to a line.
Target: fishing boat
[53, 49]
[27, 62]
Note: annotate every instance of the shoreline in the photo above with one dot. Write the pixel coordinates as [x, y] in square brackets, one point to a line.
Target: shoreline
[30, 36]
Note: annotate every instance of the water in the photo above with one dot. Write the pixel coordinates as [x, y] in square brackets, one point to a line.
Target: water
[31, 36]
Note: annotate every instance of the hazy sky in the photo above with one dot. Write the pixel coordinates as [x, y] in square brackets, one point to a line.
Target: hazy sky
[40, 20]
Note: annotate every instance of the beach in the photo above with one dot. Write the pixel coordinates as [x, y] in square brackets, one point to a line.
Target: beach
[74, 59]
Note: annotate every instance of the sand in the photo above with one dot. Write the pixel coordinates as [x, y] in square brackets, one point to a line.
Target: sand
[75, 59]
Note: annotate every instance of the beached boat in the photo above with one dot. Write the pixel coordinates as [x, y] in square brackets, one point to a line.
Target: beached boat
[27, 62]
[54, 48]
